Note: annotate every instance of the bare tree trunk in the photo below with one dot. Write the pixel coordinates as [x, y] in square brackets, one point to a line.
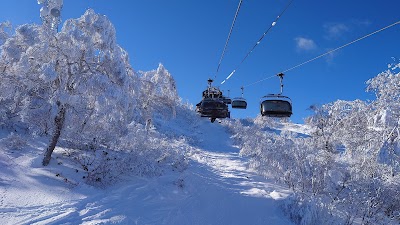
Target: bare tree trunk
[59, 122]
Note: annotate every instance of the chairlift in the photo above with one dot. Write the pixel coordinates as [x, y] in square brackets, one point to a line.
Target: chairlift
[276, 105]
[240, 102]
[212, 92]
[227, 100]
[213, 108]
[213, 104]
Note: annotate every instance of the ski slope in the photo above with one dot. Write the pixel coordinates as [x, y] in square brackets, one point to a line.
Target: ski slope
[216, 188]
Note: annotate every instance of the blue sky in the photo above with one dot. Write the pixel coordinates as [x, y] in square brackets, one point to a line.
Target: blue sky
[188, 37]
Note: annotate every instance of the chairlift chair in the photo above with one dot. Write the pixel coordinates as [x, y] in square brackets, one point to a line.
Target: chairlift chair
[276, 105]
[213, 108]
[213, 104]
[227, 100]
[240, 102]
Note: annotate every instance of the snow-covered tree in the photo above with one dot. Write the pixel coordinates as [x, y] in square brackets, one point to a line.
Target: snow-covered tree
[158, 93]
[386, 113]
[79, 75]
[349, 166]
[77, 85]
[3, 31]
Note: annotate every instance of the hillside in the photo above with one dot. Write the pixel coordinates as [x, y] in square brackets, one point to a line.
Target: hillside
[217, 187]
[86, 139]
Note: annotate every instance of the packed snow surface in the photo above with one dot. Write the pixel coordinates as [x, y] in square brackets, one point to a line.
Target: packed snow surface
[216, 188]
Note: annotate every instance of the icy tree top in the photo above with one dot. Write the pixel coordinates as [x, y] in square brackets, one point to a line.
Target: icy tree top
[51, 12]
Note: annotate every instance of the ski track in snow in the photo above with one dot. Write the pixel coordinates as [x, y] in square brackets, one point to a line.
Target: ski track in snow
[217, 188]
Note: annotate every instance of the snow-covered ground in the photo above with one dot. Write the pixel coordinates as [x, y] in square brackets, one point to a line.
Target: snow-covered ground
[216, 188]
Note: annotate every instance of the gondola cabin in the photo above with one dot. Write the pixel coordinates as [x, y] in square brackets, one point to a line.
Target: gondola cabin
[276, 105]
[239, 103]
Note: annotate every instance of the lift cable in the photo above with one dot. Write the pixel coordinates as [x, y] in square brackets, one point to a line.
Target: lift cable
[259, 41]
[326, 53]
[229, 36]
